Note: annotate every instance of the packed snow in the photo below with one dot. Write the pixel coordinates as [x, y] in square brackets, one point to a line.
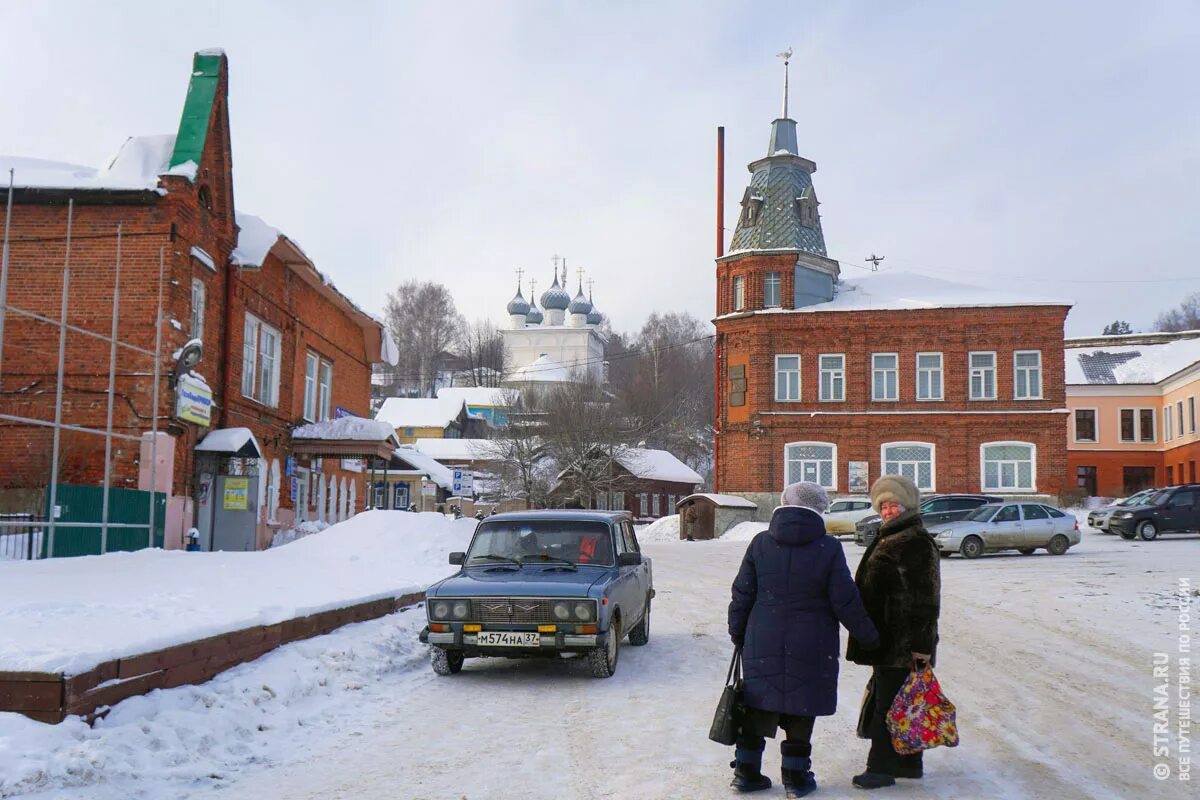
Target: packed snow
[346, 429]
[1047, 658]
[255, 240]
[70, 614]
[228, 440]
[729, 500]
[663, 529]
[455, 449]
[1144, 364]
[420, 412]
[136, 166]
[657, 465]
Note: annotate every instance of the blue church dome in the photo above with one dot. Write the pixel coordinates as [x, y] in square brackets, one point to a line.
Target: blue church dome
[518, 305]
[535, 316]
[580, 305]
[555, 298]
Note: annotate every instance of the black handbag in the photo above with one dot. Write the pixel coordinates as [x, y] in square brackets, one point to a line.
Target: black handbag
[727, 722]
[867, 710]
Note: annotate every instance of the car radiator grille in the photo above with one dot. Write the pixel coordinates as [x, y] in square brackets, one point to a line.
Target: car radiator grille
[518, 612]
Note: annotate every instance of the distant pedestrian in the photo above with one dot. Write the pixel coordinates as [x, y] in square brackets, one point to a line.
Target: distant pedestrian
[900, 581]
[792, 590]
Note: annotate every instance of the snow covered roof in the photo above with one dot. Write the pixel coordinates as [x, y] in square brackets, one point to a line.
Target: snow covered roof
[136, 167]
[346, 429]
[728, 500]
[657, 465]
[477, 395]
[896, 291]
[255, 240]
[453, 449]
[438, 473]
[1133, 359]
[420, 412]
[543, 370]
[231, 441]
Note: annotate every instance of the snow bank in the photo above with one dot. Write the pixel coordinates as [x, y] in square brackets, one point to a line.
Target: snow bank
[743, 531]
[346, 429]
[306, 528]
[665, 529]
[68, 615]
[173, 742]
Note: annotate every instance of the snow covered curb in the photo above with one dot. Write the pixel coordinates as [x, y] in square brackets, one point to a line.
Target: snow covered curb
[70, 615]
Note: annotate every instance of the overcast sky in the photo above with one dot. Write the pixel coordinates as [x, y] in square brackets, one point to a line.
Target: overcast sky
[1049, 145]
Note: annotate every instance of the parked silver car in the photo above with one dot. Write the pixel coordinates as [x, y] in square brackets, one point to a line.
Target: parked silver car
[1023, 527]
[1099, 518]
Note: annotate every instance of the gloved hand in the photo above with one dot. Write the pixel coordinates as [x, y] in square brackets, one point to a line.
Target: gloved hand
[738, 641]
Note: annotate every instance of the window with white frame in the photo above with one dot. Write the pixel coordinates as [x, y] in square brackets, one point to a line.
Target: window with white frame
[983, 376]
[260, 361]
[643, 504]
[815, 462]
[655, 505]
[197, 308]
[787, 377]
[1168, 431]
[325, 389]
[833, 377]
[312, 363]
[1027, 374]
[1191, 415]
[1137, 425]
[1179, 417]
[913, 460]
[618, 501]
[929, 376]
[1009, 466]
[739, 292]
[771, 290]
[885, 376]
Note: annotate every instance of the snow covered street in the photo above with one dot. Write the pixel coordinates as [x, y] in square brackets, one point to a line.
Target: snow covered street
[1048, 659]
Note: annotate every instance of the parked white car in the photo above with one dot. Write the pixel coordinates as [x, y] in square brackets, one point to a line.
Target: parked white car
[843, 514]
[1023, 527]
[1099, 518]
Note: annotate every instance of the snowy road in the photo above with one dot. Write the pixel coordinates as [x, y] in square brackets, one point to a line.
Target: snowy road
[1048, 659]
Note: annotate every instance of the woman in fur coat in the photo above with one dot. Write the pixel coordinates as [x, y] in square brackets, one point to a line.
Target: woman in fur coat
[899, 578]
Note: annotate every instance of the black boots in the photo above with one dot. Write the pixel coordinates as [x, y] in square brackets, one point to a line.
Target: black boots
[910, 766]
[798, 780]
[747, 771]
[873, 780]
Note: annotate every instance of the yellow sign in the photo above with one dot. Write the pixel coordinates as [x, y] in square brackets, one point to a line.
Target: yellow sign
[237, 494]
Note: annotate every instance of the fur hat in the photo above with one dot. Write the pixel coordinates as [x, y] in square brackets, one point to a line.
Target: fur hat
[809, 495]
[896, 488]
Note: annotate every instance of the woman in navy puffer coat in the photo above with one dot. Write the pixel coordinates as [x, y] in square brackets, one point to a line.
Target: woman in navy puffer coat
[792, 590]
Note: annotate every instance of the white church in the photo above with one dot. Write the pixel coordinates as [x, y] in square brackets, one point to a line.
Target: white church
[561, 341]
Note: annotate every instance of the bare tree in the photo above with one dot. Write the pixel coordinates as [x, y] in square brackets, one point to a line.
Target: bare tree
[1184, 318]
[520, 463]
[482, 348]
[425, 324]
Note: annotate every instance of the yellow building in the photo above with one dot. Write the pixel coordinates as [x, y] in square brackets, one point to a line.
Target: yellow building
[429, 418]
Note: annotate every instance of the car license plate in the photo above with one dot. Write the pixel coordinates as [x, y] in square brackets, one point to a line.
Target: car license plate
[508, 638]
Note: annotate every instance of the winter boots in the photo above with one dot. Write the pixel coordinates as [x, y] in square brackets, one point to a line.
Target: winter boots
[747, 771]
[798, 780]
[911, 766]
[873, 780]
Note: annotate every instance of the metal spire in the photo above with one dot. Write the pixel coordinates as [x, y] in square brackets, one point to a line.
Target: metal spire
[786, 55]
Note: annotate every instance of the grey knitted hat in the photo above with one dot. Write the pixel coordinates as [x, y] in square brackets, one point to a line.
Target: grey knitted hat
[806, 494]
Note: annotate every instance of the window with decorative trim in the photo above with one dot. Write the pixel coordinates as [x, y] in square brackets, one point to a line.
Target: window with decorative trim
[260, 361]
[833, 377]
[771, 290]
[1027, 374]
[983, 375]
[929, 376]
[739, 292]
[1087, 428]
[913, 460]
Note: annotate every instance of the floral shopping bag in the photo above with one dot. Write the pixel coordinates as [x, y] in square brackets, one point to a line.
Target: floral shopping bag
[921, 717]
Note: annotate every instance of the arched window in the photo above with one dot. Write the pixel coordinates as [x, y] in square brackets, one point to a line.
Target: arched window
[204, 195]
[914, 460]
[815, 462]
[1008, 466]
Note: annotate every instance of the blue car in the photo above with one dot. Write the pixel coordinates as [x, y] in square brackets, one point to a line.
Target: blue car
[543, 584]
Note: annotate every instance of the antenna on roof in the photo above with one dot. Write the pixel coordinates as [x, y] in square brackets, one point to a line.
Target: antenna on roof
[786, 55]
[874, 261]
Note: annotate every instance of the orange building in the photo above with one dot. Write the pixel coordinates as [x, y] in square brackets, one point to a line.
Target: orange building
[1133, 421]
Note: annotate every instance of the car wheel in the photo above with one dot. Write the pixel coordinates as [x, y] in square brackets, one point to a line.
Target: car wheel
[972, 547]
[603, 660]
[1126, 536]
[640, 634]
[1148, 531]
[1026, 551]
[446, 662]
[1058, 545]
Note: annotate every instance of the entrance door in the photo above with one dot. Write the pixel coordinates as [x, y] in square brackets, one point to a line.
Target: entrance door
[1085, 478]
[235, 513]
[301, 494]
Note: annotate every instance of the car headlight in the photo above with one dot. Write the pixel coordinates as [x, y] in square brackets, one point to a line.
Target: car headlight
[562, 611]
[440, 609]
[584, 611]
[1123, 514]
[461, 609]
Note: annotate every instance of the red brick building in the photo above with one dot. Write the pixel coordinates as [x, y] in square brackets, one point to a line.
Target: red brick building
[280, 344]
[840, 380]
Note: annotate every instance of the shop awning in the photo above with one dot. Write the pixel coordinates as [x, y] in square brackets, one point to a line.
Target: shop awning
[230, 442]
[347, 437]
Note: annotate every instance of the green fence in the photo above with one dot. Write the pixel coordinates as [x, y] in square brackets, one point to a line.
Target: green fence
[86, 504]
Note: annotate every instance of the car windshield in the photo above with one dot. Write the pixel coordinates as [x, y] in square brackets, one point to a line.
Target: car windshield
[1139, 499]
[534, 541]
[983, 513]
[1158, 498]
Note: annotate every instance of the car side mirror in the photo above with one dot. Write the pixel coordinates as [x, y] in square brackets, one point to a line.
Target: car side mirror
[458, 558]
[629, 559]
